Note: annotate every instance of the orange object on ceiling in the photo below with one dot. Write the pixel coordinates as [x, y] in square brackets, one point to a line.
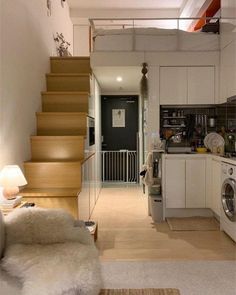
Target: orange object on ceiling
[210, 12]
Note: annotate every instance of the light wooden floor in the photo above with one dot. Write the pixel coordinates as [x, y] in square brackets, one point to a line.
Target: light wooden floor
[126, 232]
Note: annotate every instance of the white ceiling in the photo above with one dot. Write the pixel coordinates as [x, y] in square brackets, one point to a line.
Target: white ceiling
[125, 4]
[106, 77]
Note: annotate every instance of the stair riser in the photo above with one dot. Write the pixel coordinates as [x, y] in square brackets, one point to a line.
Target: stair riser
[68, 83]
[70, 66]
[53, 175]
[65, 103]
[52, 124]
[57, 149]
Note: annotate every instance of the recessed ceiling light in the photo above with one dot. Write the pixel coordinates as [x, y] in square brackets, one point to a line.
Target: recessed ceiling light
[119, 79]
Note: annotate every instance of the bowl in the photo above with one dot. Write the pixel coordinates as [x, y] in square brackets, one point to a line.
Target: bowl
[201, 150]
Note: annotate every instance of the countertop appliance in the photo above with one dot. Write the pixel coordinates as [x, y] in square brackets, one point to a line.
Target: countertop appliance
[228, 200]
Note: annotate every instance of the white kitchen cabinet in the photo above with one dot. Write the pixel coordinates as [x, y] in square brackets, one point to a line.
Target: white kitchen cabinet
[175, 183]
[84, 202]
[185, 183]
[195, 183]
[228, 71]
[173, 85]
[201, 85]
[87, 196]
[92, 195]
[216, 187]
[187, 85]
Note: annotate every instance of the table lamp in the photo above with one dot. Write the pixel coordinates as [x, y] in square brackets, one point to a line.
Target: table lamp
[11, 177]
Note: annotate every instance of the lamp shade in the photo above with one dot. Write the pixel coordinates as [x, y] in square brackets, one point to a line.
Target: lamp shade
[12, 176]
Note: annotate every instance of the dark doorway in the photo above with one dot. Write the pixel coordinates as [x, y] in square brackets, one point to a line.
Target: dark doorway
[119, 130]
[119, 122]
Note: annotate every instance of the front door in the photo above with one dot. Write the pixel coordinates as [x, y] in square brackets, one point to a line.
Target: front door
[119, 133]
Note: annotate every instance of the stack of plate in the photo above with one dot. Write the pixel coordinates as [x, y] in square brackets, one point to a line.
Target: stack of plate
[213, 141]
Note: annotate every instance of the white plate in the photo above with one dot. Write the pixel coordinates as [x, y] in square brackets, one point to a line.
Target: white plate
[213, 139]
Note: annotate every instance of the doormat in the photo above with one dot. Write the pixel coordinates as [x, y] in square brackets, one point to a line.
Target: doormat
[196, 223]
[140, 292]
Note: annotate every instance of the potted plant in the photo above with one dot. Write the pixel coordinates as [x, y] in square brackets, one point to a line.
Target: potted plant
[62, 45]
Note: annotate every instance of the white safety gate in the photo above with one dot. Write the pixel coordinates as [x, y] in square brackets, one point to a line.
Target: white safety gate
[120, 166]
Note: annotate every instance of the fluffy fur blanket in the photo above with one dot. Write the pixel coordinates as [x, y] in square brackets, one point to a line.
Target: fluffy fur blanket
[53, 257]
[43, 226]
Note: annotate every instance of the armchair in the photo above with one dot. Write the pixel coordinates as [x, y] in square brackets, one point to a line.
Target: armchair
[46, 253]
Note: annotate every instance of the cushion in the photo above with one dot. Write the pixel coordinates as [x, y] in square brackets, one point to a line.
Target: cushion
[2, 234]
[43, 226]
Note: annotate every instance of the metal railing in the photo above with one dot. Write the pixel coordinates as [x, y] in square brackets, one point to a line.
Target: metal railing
[180, 24]
[120, 166]
[183, 23]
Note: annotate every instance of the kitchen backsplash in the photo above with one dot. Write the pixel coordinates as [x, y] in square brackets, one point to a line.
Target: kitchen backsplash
[226, 116]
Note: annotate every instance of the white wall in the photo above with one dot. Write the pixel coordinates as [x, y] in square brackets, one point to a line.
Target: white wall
[81, 40]
[98, 134]
[228, 49]
[26, 44]
[1, 75]
[79, 15]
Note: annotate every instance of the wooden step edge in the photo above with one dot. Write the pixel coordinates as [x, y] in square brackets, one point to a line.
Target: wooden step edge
[64, 162]
[57, 161]
[65, 93]
[50, 192]
[70, 57]
[68, 75]
[69, 137]
[62, 137]
[61, 113]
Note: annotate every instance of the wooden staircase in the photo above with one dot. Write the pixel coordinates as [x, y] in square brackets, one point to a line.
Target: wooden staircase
[57, 151]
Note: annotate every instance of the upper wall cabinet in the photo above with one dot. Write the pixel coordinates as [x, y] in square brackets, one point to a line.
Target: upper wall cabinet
[228, 72]
[187, 85]
[173, 85]
[201, 85]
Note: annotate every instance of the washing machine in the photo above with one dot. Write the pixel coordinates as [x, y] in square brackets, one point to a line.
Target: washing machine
[228, 200]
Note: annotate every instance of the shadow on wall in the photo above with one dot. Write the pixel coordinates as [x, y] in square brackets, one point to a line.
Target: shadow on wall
[27, 42]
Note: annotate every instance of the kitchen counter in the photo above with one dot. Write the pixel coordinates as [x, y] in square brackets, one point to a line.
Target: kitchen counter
[201, 155]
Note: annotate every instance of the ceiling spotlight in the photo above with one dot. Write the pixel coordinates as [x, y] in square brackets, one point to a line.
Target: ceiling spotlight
[119, 79]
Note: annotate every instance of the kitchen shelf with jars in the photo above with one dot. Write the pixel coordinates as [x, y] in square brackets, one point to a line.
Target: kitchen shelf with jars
[180, 123]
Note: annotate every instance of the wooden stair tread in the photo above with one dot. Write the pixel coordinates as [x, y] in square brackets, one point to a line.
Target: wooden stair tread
[54, 162]
[62, 113]
[57, 137]
[50, 192]
[68, 75]
[65, 93]
[63, 137]
[70, 57]
[62, 161]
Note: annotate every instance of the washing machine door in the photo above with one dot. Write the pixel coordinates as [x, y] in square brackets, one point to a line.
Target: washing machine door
[228, 198]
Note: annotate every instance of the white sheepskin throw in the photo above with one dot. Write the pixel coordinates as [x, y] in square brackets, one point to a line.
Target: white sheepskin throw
[43, 226]
[50, 256]
[68, 268]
